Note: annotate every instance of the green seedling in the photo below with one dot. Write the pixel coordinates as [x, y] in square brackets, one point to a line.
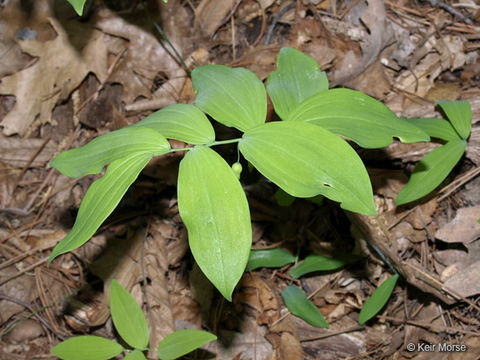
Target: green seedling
[302, 154]
[131, 325]
[269, 258]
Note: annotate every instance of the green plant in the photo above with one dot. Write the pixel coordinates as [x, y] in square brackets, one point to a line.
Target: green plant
[302, 154]
[79, 5]
[132, 326]
[295, 299]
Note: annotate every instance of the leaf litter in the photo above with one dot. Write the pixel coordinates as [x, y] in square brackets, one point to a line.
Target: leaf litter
[406, 54]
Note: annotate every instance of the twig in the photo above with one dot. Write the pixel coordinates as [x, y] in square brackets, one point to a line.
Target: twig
[34, 313]
[276, 19]
[451, 10]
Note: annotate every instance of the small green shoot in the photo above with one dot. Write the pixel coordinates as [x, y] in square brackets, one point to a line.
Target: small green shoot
[131, 325]
[299, 305]
[78, 5]
[128, 317]
[87, 347]
[314, 263]
[269, 258]
[378, 300]
[182, 342]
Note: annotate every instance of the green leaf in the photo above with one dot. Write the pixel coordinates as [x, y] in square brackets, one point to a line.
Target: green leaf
[105, 149]
[283, 199]
[435, 128]
[299, 305]
[135, 355]
[320, 263]
[182, 122]
[378, 299]
[233, 97]
[87, 347]
[214, 208]
[356, 116]
[128, 317]
[78, 5]
[460, 115]
[431, 171]
[182, 342]
[100, 200]
[306, 160]
[269, 258]
[298, 77]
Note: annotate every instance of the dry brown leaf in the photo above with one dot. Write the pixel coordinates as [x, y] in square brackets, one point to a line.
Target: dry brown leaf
[464, 228]
[61, 67]
[146, 60]
[155, 257]
[211, 13]
[17, 152]
[379, 35]
[465, 282]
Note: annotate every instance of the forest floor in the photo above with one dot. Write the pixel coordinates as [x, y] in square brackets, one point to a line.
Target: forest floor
[65, 80]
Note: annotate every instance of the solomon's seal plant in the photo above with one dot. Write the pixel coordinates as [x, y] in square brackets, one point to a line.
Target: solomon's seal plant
[303, 154]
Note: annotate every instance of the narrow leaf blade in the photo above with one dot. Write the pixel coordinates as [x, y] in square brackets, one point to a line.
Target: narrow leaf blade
[105, 149]
[78, 5]
[233, 97]
[314, 263]
[215, 211]
[296, 79]
[87, 347]
[128, 317]
[182, 342]
[378, 300]
[100, 200]
[269, 258]
[460, 115]
[358, 117]
[431, 171]
[182, 122]
[299, 305]
[306, 160]
[435, 128]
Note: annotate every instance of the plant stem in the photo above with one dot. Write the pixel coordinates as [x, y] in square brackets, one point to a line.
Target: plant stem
[231, 141]
[164, 37]
[180, 149]
[223, 142]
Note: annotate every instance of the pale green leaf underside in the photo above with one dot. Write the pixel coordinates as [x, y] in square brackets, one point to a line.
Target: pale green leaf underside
[128, 317]
[306, 160]
[87, 347]
[182, 342]
[215, 211]
[378, 299]
[460, 115]
[78, 5]
[358, 117]
[299, 305]
[314, 263]
[100, 200]
[296, 79]
[105, 149]
[431, 170]
[435, 128]
[182, 122]
[233, 97]
[135, 355]
[269, 258]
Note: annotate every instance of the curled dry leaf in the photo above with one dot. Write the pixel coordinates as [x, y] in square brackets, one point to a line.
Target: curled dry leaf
[60, 68]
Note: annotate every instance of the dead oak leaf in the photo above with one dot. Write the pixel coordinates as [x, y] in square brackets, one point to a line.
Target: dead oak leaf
[60, 68]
